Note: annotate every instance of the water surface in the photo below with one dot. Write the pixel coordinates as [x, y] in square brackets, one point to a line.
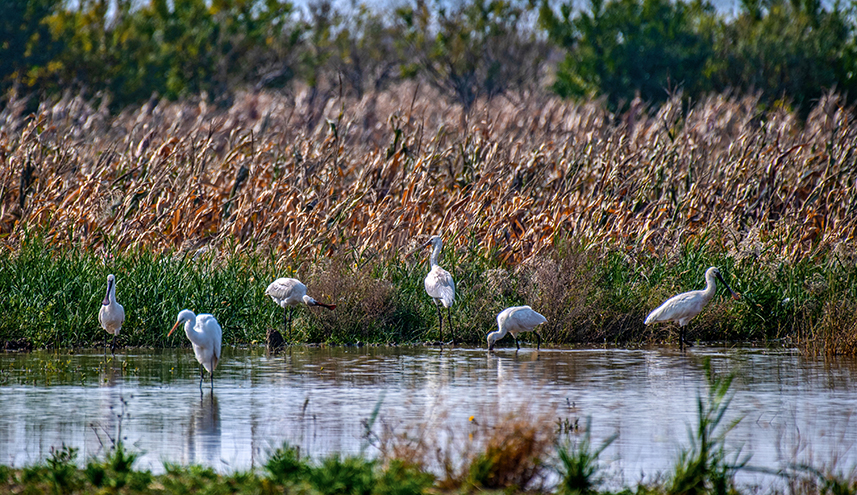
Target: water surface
[791, 408]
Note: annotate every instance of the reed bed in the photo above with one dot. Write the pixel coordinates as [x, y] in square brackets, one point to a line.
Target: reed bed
[539, 189]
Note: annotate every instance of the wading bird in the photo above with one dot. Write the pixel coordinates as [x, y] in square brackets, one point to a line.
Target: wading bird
[291, 292]
[205, 334]
[440, 286]
[515, 320]
[683, 307]
[111, 316]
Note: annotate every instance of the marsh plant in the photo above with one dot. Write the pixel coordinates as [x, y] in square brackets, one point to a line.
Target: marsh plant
[703, 466]
[578, 466]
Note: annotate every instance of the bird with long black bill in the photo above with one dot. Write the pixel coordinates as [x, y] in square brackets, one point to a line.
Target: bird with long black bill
[288, 293]
[515, 320]
[683, 307]
[205, 334]
[111, 316]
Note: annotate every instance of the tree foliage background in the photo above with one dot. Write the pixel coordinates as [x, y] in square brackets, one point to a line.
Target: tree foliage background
[124, 52]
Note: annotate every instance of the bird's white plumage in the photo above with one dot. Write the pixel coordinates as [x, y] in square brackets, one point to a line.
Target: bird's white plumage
[111, 316]
[440, 286]
[515, 320]
[205, 334]
[683, 307]
[438, 283]
[287, 292]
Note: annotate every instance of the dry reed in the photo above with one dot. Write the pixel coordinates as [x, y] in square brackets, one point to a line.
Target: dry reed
[373, 174]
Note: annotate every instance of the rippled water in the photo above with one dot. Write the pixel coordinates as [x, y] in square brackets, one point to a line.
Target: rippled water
[791, 408]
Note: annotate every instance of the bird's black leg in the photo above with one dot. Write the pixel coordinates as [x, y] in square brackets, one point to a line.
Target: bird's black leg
[201, 376]
[291, 315]
[212, 375]
[439, 321]
[113, 344]
[517, 345]
[285, 321]
[539, 345]
[681, 339]
[449, 323]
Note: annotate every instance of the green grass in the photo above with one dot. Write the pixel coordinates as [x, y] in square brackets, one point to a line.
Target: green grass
[50, 296]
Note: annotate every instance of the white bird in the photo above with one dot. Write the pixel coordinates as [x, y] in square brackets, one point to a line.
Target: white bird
[683, 307]
[111, 316]
[205, 334]
[440, 286]
[515, 320]
[289, 292]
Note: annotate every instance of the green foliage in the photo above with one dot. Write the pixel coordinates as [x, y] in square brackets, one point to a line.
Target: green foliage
[285, 465]
[579, 466]
[480, 48]
[61, 469]
[343, 476]
[628, 48]
[26, 45]
[789, 50]
[116, 470]
[702, 468]
[402, 478]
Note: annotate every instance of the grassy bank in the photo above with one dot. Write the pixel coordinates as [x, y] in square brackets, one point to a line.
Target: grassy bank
[515, 454]
[50, 296]
[591, 218]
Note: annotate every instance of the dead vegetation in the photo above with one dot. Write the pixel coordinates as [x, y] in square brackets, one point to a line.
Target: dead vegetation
[377, 172]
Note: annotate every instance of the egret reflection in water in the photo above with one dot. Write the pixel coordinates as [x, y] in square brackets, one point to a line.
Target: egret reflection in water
[203, 433]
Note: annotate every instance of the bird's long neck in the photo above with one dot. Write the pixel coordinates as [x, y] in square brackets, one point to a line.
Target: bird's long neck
[710, 285]
[189, 331]
[111, 293]
[435, 253]
[497, 335]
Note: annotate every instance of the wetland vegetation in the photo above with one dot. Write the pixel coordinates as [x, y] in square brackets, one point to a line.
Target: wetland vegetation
[591, 218]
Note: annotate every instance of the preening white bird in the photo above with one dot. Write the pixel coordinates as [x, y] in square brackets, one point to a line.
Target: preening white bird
[440, 286]
[205, 334]
[111, 316]
[288, 293]
[515, 320]
[683, 307]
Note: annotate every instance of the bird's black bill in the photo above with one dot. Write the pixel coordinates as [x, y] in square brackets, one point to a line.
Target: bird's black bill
[734, 295]
[106, 300]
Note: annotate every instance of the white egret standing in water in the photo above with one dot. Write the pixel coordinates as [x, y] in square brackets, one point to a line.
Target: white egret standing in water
[683, 307]
[515, 320]
[205, 334]
[111, 316]
[289, 292]
[440, 286]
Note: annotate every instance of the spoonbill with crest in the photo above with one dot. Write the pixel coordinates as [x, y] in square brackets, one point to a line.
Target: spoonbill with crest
[683, 307]
[515, 320]
[289, 292]
[111, 316]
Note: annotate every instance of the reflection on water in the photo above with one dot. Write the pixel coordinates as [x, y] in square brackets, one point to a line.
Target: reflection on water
[791, 408]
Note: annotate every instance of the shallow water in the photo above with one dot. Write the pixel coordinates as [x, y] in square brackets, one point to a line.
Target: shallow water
[791, 408]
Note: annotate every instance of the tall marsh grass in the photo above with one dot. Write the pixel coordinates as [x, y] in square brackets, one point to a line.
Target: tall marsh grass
[591, 218]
